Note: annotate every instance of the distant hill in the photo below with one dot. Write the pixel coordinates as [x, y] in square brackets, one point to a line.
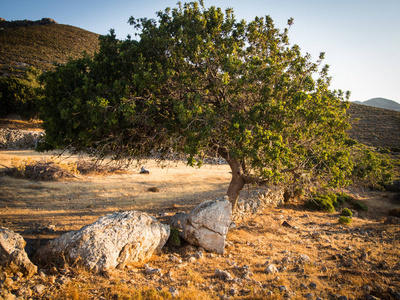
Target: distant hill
[375, 126]
[40, 44]
[381, 103]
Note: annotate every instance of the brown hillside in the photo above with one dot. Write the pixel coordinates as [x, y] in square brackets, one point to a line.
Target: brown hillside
[42, 46]
[374, 126]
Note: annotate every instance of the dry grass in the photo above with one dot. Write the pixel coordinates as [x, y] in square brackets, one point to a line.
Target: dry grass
[72, 203]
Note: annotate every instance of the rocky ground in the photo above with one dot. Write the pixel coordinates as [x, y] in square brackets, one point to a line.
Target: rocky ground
[284, 252]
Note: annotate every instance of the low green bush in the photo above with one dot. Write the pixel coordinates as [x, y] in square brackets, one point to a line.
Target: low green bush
[346, 212]
[344, 220]
[323, 202]
[343, 197]
[174, 239]
[360, 206]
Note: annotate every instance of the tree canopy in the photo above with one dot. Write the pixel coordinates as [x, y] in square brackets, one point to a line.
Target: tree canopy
[198, 82]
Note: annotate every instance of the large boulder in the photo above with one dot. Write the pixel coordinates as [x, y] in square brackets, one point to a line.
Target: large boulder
[111, 242]
[207, 225]
[12, 252]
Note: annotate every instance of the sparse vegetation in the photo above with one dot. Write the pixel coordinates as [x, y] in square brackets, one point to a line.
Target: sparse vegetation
[359, 205]
[322, 202]
[375, 127]
[42, 46]
[371, 168]
[346, 212]
[344, 220]
[55, 169]
[20, 96]
[342, 198]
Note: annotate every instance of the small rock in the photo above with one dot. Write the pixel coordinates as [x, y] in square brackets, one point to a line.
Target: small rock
[303, 286]
[39, 289]
[8, 282]
[309, 295]
[312, 285]
[324, 269]
[143, 170]
[174, 291]
[6, 295]
[198, 254]
[342, 298]
[223, 275]
[367, 288]
[192, 259]
[271, 269]
[304, 258]
[62, 280]
[175, 259]
[286, 224]
[24, 292]
[233, 225]
[233, 292]
[151, 271]
[364, 256]
[283, 288]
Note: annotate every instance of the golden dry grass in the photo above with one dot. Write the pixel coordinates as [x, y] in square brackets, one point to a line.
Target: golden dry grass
[73, 203]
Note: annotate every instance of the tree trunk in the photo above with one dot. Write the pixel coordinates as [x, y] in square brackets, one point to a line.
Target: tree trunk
[237, 182]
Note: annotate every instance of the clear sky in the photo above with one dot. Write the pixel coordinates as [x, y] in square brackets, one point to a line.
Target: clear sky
[361, 38]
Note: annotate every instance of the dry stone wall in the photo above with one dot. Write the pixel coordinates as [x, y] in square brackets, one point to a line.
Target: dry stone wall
[19, 139]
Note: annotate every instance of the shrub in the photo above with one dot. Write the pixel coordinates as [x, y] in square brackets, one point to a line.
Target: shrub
[343, 197]
[20, 95]
[42, 170]
[174, 239]
[323, 202]
[370, 168]
[360, 206]
[346, 212]
[344, 220]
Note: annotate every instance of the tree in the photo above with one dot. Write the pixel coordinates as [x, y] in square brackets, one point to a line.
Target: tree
[20, 95]
[201, 83]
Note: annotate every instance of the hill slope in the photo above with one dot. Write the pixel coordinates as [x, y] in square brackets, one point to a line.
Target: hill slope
[376, 127]
[381, 103]
[42, 45]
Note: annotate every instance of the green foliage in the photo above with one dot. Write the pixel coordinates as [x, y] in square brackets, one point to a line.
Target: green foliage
[174, 239]
[343, 197]
[360, 206]
[346, 212]
[323, 202]
[344, 220]
[20, 95]
[198, 82]
[371, 168]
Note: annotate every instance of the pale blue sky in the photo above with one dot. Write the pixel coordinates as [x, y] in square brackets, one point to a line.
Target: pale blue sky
[361, 38]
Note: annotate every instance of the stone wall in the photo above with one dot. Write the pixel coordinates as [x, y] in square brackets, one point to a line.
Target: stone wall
[251, 203]
[19, 139]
